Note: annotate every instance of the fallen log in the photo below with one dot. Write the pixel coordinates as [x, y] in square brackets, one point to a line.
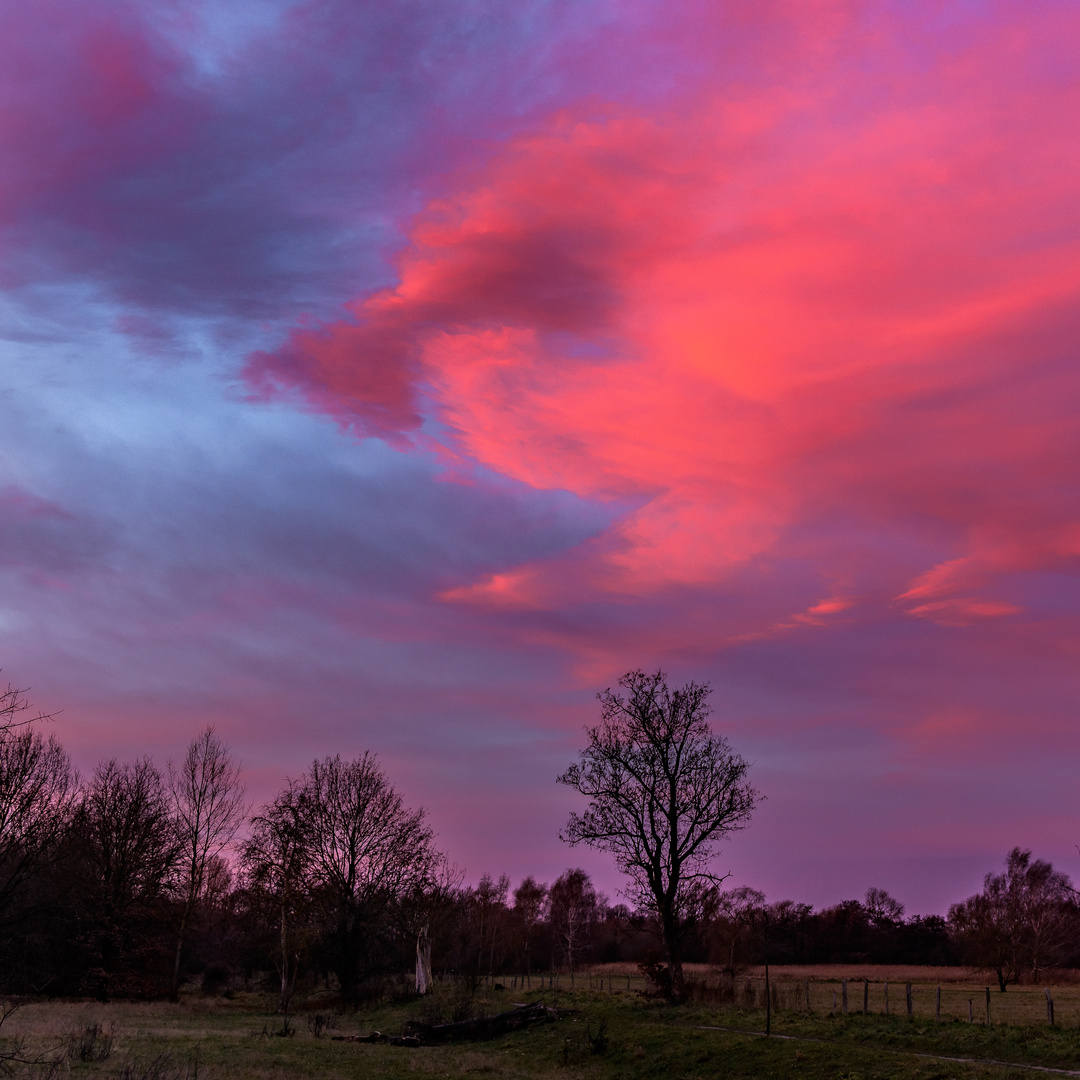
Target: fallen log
[482, 1027]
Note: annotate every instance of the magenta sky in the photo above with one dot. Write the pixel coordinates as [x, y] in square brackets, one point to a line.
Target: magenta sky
[395, 376]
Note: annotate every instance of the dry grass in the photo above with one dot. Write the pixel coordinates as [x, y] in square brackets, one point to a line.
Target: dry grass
[901, 973]
[233, 1040]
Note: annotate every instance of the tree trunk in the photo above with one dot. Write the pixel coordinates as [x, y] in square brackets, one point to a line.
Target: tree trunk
[670, 926]
[283, 1000]
[174, 985]
[423, 962]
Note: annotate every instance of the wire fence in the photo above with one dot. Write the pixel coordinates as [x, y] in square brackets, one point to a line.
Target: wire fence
[1057, 1006]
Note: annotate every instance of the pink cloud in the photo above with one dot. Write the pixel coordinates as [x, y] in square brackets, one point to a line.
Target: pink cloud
[833, 294]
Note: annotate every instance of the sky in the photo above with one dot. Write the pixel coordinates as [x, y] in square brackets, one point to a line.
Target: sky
[395, 377]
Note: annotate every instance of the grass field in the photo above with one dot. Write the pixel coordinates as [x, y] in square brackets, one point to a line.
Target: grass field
[219, 1039]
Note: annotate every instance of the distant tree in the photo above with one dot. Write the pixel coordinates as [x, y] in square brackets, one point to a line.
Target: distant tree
[1023, 920]
[208, 808]
[663, 791]
[489, 905]
[426, 913]
[731, 916]
[883, 910]
[575, 907]
[276, 863]
[530, 907]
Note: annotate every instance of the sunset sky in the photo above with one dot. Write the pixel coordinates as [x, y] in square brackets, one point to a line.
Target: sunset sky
[395, 376]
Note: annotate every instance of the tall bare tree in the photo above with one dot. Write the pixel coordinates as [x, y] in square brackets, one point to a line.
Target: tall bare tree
[208, 808]
[366, 852]
[663, 790]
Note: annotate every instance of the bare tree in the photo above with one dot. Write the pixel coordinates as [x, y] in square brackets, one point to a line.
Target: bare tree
[366, 852]
[530, 904]
[488, 901]
[276, 863]
[1023, 920]
[128, 843]
[574, 908]
[425, 913]
[732, 915]
[36, 783]
[883, 910]
[663, 790]
[208, 807]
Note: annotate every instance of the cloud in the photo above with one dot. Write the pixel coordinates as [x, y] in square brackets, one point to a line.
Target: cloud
[835, 296]
[255, 163]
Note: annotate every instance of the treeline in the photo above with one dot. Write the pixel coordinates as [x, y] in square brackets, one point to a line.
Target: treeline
[137, 880]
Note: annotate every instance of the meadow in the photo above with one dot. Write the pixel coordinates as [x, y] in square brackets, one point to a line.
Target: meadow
[600, 1033]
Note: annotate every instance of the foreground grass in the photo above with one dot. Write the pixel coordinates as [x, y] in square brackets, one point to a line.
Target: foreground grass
[216, 1039]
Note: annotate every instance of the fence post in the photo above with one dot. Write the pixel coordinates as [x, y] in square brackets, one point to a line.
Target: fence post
[807, 995]
[834, 1003]
[768, 1003]
[971, 1013]
[1049, 1008]
[865, 996]
[886, 999]
[910, 1006]
[988, 1006]
[937, 1007]
[843, 994]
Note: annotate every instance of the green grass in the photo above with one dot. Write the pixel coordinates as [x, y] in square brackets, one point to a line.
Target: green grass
[232, 1040]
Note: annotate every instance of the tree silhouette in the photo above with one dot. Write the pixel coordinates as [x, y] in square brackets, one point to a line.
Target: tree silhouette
[663, 790]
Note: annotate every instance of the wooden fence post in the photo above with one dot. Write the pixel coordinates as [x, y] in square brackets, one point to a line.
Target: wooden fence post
[865, 996]
[886, 999]
[910, 1005]
[843, 994]
[834, 1003]
[807, 995]
[937, 1007]
[971, 1013]
[1049, 1008]
[988, 1006]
